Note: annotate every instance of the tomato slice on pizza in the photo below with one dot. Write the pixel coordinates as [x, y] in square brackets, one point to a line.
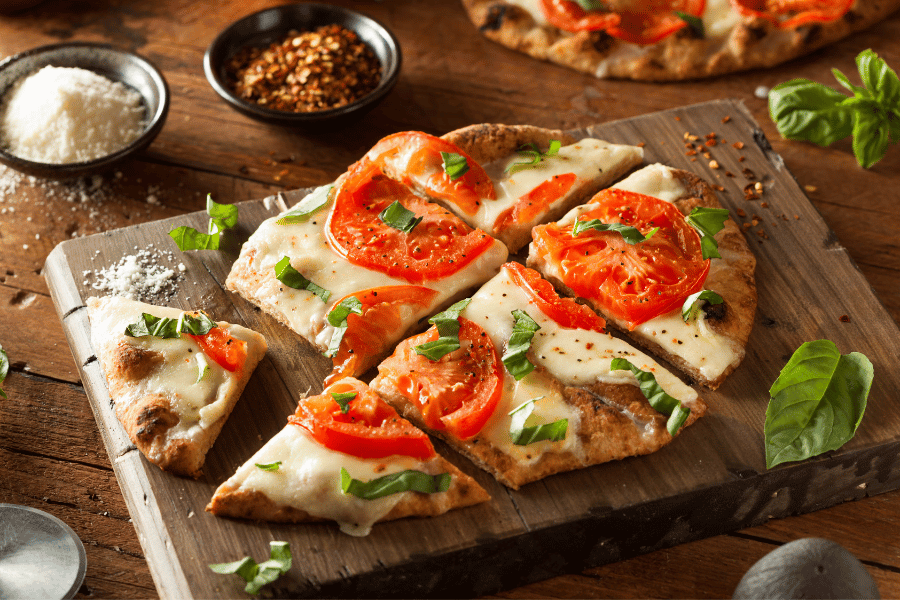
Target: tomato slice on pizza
[229, 352]
[456, 393]
[437, 247]
[632, 281]
[564, 311]
[536, 202]
[789, 14]
[569, 16]
[360, 424]
[638, 22]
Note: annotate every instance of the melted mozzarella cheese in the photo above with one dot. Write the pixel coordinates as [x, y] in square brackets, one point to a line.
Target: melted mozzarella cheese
[309, 479]
[655, 180]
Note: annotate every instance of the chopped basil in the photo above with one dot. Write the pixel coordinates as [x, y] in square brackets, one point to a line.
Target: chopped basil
[166, 328]
[592, 5]
[404, 481]
[338, 319]
[343, 399]
[455, 165]
[694, 23]
[399, 217]
[272, 466]
[693, 304]
[221, 217]
[292, 278]
[816, 403]
[258, 575]
[448, 331]
[632, 235]
[522, 435]
[708, 222]
[659, 400]
[203, 366]
[535, 156]
[515, 358]
[304, 209]
[4, 368]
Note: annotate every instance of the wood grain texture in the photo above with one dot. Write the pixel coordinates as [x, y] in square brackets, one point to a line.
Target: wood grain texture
[712, 480]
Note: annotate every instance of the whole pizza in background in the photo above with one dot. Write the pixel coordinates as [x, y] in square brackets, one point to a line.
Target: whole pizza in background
[665, 40]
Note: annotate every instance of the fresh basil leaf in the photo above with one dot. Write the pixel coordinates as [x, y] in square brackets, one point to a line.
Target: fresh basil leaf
[592, 5]
[222, 217]
[694, 303]
[816, 403]
[455, 165]
[659, 400]
[809, 111]
[404, 481]
[272, 466]
[258, 575]
[343, 399]
[167, 328]
[4, 368]
[311, 203]
[878, 76]
[694, 23]
[871, 136]
[447, 323]
[516, 356]
[535, 156]
[632, 235]
[522, 435]
[338, 319]
[399, 217]
[292, 278]
[202, 367]
[196, 325]
[708, 222]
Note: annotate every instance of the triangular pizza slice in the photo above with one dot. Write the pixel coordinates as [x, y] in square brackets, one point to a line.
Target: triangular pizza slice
[662, 261]
[526, 383]
[173, 376]
[345, 456]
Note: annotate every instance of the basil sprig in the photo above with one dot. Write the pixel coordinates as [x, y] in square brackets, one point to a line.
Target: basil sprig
[806, 110]
[404, 481]
[258, 575]
[694, 23]
[522, 435]
[455, 165]
[4, 368]
[343, 399]
[292, 278]
[535, 156]
[516, 356]
[448, 332]
[166, 328]
[399, 217]
[272, 466]
[708, 222]
[816, 403]
[303, 210]
[221, 217]
[690, 310]
[338, 319]
[632, 235]
[659, 400]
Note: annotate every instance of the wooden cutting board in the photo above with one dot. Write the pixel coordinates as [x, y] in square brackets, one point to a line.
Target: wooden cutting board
[711, 479]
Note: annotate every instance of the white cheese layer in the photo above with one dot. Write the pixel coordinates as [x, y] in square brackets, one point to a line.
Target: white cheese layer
[310, 254]
[198, 404]
[309, 479]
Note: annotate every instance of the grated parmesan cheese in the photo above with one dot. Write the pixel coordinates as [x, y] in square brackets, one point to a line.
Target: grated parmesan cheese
[63, 115]
[140, 276]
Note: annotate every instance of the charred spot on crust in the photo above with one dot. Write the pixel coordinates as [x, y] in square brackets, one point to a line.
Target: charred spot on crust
[852, 17]
[756, 32]
[154, 421]
[601, 41]
[134, 362]
[494, 19]
[812, 33]
[715, 312]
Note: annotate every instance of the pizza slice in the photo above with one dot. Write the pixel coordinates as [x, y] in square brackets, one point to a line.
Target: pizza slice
[345, 456]
[173, 376]
[663, 262]
[355, 265]
[504, 179]
[527, 384]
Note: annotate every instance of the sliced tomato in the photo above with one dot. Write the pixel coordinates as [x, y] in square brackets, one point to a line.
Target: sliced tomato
[564, 311]
[227, 351]
[633, 282]
[438, 247]
[457, 393]
[536, 201]
[569, 16]
[790, 14]
[367, 334]
[415, 159]
[635, 21]
[369, 429]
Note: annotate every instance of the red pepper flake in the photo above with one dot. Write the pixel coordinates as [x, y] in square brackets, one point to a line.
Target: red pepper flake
[750, 192]
[306, 72]
[741, 212]
[844, 318]
[738, 145]
[677, 118]
[750, 175]
[726, 118]
[710, 142]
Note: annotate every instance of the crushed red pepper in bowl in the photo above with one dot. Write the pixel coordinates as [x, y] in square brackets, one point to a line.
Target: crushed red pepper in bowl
[306, 72]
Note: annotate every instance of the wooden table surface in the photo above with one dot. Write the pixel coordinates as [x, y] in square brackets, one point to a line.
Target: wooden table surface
[51, 454]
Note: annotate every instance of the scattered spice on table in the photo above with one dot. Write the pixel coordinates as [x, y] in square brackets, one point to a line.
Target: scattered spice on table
[306, 72]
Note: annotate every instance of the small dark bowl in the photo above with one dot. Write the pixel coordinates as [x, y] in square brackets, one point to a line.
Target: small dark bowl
[265, 27]
[117, 65]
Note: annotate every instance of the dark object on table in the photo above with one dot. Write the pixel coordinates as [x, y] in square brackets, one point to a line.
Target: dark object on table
[272, 25]
[807, 568]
